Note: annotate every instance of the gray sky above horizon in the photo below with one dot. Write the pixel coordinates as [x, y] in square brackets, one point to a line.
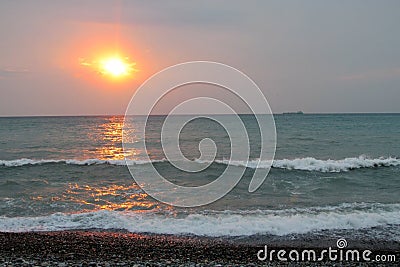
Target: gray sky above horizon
[314, 56]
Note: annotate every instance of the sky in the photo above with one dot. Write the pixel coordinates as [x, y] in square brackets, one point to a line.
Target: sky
[315, 56]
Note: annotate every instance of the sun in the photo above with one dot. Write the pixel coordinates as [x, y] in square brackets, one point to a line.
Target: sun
[115, 67]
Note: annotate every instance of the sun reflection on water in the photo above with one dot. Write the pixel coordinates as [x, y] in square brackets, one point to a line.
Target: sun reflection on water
[108, 136]
[112, 197]
[106, 144]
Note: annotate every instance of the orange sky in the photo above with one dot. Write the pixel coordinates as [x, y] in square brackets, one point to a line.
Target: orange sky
[300, 55]
[95, 42]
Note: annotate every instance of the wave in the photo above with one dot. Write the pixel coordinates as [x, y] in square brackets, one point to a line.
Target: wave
[302, 164]
[24, 161]
[212, 223]
[312, 164]
[347, 164]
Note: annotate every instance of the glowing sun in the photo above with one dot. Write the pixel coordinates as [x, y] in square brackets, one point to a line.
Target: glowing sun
[115, 66]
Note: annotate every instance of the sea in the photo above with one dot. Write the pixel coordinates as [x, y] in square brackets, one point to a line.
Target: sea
[333, 175]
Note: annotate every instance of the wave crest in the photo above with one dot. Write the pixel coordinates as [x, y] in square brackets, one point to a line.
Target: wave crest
[302, 164]
[24, 161]
[225, 223]
[313, 164]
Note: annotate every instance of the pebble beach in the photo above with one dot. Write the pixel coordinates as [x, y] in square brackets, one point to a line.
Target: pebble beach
[109, 248]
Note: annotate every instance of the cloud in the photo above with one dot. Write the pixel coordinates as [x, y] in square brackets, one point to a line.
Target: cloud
[163, 13]
[373, 75]
[12, 71]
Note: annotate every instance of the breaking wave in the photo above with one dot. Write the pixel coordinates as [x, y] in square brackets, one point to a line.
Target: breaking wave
[303, 164]
[214, 223]
[312, 164]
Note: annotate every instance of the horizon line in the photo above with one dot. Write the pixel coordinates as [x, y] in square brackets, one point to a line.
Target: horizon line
[288, 113]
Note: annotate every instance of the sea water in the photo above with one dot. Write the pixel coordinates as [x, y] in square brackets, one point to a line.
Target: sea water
[332, 174]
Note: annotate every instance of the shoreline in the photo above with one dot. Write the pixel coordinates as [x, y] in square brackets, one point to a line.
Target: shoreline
[110, 248]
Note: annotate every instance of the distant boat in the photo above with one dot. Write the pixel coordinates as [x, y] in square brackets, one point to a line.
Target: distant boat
[291, 113]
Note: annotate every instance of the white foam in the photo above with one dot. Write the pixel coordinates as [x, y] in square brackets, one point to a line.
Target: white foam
[23, 162]
[227, 223]
[304, 164]
[312, 164]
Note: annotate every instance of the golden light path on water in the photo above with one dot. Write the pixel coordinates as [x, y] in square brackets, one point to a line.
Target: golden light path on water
[96, 197]
[130, 196]
[110, 134]
[109, 192]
